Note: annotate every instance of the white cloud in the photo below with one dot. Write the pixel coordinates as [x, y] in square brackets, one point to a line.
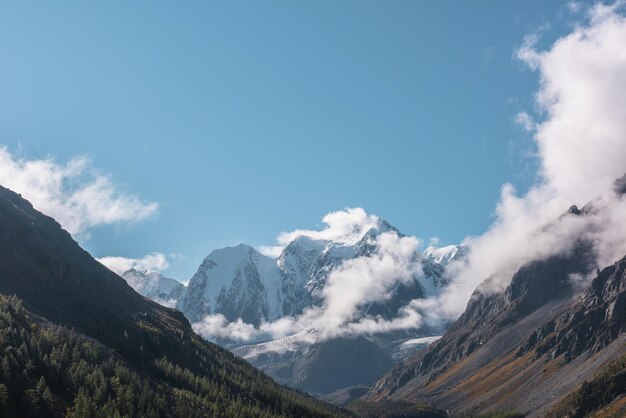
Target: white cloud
[574, 6]
[345, 227]
[75, 194]
[526, 121]
[216, 326]
[151, 262]
[581, 146]
[368, 279]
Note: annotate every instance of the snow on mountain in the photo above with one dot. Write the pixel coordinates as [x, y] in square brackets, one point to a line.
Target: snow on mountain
[237, 282]
[411, 346]
[443, 255]
[434, 263]
[240, 289]
[241, 283]
[291, 346]
[155, 286]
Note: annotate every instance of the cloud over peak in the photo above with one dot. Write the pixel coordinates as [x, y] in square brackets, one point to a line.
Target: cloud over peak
[346, 226]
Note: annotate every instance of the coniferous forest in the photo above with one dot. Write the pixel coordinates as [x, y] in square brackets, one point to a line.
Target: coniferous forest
[51, 370]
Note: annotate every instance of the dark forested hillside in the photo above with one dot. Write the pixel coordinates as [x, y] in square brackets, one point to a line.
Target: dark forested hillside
[77, 340]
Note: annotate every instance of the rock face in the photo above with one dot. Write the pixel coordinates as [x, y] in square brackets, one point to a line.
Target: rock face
[237, 282]
[620, 186]
[525, 348]
[594, 322]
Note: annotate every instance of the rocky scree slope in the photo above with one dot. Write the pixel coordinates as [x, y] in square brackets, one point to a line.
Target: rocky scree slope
[524, 349]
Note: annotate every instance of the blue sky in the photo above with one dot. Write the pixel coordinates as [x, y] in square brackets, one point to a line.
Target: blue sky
[245, 119]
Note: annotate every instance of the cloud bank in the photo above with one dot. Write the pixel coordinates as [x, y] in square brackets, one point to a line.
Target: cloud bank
[75, 194]
[352, 285]
[581, 148]
[152, 262]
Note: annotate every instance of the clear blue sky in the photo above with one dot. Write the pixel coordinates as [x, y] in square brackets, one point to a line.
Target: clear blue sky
[245, 119]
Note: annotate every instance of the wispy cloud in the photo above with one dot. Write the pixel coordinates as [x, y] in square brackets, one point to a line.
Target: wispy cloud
[77, 195]
[151, 262]
[487, 54]
[526, 121]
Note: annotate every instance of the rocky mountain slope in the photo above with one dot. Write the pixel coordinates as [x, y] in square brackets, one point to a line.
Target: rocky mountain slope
[523, 349]
[65, 300]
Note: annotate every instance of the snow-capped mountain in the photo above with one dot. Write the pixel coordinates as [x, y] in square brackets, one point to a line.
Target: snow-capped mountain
[436, 259]
[237, 282]
[155, 286]
[444, 255]
[240, 282]
[249, 288]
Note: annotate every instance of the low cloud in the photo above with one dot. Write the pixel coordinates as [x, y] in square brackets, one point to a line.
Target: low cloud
[151, 262]
[75, 194]
[216, 326]
[350, 287]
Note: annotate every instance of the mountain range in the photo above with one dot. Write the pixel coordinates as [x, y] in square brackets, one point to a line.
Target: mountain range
[542, 347]
[546, 345]
[77, 340]
[240, 283]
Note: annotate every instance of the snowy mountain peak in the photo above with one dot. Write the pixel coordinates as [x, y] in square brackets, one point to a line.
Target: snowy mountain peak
[240, 282]
[237, 282]
[155, 286]
[443, 255]
[230, 254]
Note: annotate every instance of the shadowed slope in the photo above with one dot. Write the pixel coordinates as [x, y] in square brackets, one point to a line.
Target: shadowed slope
[56, 279]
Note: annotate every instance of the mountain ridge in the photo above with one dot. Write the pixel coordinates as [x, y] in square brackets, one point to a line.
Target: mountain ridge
[57, 280]
[537, 354]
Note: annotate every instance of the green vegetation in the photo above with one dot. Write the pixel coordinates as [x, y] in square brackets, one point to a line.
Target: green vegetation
[592, 396]
[48, 370]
